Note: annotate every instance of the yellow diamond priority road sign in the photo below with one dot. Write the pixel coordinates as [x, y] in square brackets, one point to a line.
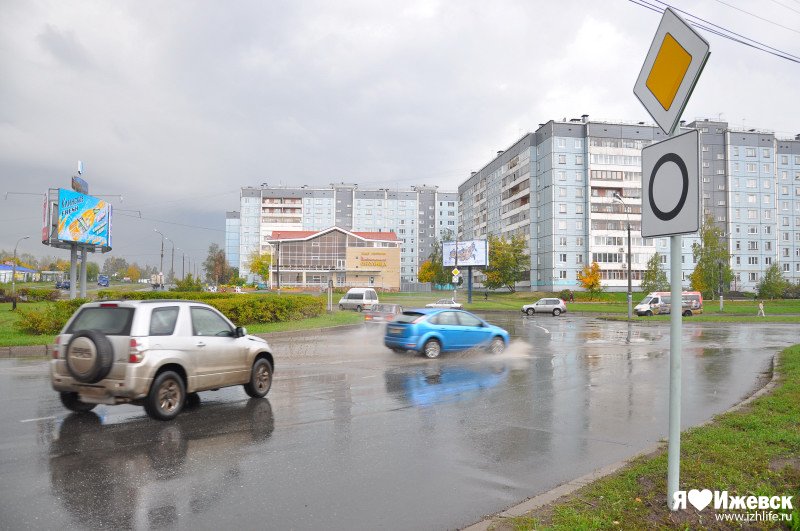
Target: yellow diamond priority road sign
[673, 64]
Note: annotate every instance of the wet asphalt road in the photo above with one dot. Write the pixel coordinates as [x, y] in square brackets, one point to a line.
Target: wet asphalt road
[356, 437]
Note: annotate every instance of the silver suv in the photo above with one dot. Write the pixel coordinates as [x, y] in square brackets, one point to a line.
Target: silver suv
[156, 354]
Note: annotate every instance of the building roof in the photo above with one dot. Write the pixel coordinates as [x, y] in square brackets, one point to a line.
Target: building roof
[284, 235]
[20, 269]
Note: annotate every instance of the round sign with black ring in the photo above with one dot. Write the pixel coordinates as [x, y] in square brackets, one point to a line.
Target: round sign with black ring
[674, 158]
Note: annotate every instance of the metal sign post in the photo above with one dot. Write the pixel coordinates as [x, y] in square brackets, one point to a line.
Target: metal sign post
[670, 184]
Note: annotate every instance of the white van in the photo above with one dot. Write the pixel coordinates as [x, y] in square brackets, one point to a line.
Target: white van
[658, 302]
[358, 299]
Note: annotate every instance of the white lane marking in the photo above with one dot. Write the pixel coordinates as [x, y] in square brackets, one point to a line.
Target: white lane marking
[546, 331]
[40, 418]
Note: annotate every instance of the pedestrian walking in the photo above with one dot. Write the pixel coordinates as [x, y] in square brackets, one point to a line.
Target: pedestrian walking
[571, 296]
[761, 309]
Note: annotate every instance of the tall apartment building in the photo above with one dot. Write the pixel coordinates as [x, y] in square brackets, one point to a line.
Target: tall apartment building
[418, 215]
[558, 187]
[232, 224]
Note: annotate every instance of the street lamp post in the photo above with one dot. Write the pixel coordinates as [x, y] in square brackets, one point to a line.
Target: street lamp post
[630, 292]
[172, 262]
[161, 268]
[14, 276]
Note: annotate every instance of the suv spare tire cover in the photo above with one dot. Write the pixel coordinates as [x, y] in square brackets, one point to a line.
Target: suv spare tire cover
[89, 356]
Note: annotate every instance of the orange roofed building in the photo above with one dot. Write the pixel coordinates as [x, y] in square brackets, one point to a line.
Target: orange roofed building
[348, 259]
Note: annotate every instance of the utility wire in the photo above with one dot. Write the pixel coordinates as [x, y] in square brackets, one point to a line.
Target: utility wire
[758, 17]
[720, 31]
[728, 31]
[173, 223]
[787, 7]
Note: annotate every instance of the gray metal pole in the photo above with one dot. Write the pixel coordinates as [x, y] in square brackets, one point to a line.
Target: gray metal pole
[83, 273]
[630, 292]
[73, 270]
[675, 326]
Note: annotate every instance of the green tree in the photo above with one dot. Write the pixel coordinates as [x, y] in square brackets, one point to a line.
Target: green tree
[260, 264]
[654, 277]
[773, 284]
[589, 278]
[216, 266]
[712, 259]
[508, 262]
[114, 266]
[188, 284]
[92, 270]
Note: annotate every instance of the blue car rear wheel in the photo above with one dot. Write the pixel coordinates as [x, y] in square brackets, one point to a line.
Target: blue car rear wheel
[432, 349]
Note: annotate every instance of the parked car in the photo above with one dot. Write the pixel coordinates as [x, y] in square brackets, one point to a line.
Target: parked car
[445, 303]
[62, 284]
[382, 313]
[358, 299]
[547, 305]
[154, 353]
[102, 281]
[262, 286]
[431, 331]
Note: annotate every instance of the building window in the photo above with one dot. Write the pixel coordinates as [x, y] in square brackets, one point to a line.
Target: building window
[562, 274]
[562, 159]
[753, 277]
[562, 257]
[579, 160]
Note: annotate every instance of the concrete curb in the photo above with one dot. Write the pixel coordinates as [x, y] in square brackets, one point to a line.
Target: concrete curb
[32, 351]
[553, 495]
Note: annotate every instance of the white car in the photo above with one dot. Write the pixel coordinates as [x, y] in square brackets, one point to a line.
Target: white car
[548, 305]
[445, 303]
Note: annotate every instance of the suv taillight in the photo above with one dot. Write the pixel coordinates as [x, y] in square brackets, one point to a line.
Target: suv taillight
[136, 351]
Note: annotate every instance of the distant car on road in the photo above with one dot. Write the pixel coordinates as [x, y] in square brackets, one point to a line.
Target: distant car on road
[445, 303]
[546, 305]
[431, 331]
[62, 284]
[382, 313]
[102, 281]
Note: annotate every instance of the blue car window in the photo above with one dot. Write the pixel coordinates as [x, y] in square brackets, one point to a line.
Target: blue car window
[469, 320]
[446, 319]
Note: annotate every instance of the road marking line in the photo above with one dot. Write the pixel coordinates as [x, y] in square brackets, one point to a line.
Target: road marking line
[40, 418]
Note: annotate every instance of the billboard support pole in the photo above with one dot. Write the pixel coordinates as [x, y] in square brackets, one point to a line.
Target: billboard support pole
[73, 266]
[469, 284]
[83, 273]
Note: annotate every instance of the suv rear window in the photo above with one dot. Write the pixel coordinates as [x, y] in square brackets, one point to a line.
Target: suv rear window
[110, 321]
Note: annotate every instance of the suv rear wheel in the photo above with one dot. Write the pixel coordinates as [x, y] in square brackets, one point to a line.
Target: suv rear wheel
[260, 379]
[72, 401]
[166, 397]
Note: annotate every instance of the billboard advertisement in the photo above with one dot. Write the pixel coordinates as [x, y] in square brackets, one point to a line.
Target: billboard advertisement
[83, 219]
[468, 253]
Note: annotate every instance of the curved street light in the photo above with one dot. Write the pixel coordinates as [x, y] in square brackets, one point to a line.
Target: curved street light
[618, 197]
[14, 275]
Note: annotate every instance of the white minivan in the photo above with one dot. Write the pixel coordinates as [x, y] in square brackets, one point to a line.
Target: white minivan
[358, 299]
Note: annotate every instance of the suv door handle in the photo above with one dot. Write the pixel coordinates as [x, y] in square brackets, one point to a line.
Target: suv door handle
[200, 344]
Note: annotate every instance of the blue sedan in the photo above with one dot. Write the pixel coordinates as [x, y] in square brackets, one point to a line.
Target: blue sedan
[432, 331]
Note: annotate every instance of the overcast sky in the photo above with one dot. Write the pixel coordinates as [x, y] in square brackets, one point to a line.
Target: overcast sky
[176, 105]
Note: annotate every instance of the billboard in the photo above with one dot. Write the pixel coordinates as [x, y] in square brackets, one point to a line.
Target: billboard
[83, 219]
[469, 253]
